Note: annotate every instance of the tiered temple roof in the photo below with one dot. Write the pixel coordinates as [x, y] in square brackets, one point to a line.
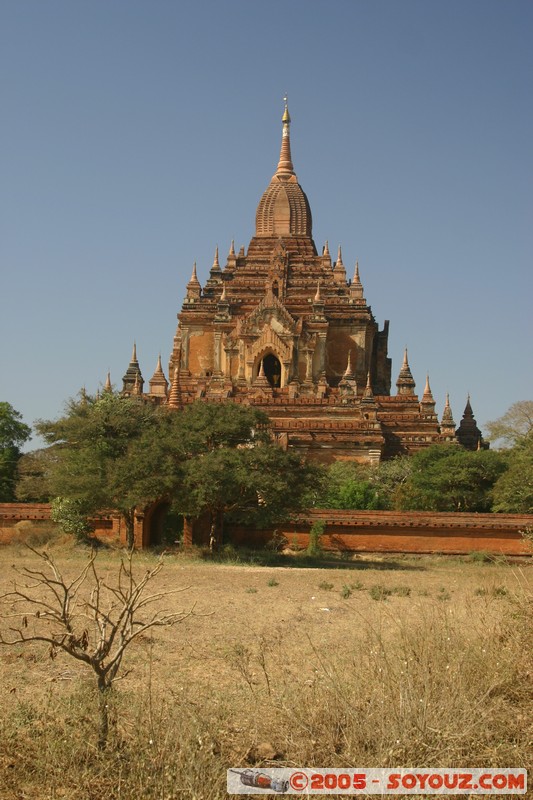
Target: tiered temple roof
[281, 326]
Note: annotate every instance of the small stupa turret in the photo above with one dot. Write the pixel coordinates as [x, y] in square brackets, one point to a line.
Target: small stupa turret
[427, 404]
[405, 383]
[339, 270]
[348, 372]
[447, 425]
[133, 375]
[137, 387]
[232, 258]
[318, 304]
[348, 384]
[158, 382]
[174, 394]
[356, 287]
[216, 263]
[261, 381]
[368, 394]
[468, 433]
[326, 257]
[194, 289]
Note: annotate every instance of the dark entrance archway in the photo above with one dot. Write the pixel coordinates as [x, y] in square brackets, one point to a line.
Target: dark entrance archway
[163, 526]
[272, 368]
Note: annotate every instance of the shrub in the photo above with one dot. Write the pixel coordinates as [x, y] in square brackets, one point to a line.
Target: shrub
[401, 591]
[314, 548]
[378, 592]
[71, 516]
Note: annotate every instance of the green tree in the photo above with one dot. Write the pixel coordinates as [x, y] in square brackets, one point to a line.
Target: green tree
[347, 485]
[513, 491]
[233, 470]
[388, 477]
[107, 451]
[515, 425]
[449, 478]
[13, 434]
[314, 547]
[33, 472]
[217, 458]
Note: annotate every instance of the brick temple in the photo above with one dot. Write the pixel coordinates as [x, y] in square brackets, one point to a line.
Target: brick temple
[282, 326]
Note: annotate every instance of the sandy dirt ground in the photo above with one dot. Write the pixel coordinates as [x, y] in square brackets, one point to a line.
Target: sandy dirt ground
[297, 615]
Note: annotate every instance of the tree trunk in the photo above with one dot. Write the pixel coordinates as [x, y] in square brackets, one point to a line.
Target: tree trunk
[103, 710]
[129, 519]
[216, 530]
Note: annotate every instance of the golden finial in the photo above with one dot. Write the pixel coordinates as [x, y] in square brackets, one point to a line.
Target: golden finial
[286, 116]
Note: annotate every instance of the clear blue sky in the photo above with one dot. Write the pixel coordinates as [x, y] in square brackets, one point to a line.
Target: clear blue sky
[136, 136]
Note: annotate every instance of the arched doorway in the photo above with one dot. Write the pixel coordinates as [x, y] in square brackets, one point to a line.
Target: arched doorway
[162, 526]
[272, 368]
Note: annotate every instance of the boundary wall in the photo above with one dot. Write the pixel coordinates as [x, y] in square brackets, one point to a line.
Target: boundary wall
[13, 517]
[355, 531]
[401, 532]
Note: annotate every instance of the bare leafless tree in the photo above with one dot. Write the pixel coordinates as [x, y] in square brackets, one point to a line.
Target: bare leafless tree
[89, 618]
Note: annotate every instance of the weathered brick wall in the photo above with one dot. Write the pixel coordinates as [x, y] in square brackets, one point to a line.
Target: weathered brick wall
[356, 531]
[405, 532]
[11, 514]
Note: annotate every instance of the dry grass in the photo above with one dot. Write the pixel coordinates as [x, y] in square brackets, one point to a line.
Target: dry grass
[296, 672]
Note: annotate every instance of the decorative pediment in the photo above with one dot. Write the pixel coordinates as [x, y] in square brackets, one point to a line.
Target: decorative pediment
[269, 341]
[270, 312]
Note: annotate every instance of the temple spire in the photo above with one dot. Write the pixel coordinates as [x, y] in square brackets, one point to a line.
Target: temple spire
[468, 433]
[174, 396]
[427, 404]
[356, 287]
[261, 381]
[158, 382]
[194, 288]
[133, 374]
[285, 166]
[339, 271]
[447, 424]
[107, 386]
[427, 397]
[216, 262]
[348, 372]
[326, 257]
[232, 258]
[368, 394]
[405, 382]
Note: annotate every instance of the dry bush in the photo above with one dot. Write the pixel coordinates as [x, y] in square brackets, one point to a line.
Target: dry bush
[89, 619]
[35, 533]
[431, 694]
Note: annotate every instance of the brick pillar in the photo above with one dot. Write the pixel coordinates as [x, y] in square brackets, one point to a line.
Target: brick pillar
[216, 354]
[185, 348]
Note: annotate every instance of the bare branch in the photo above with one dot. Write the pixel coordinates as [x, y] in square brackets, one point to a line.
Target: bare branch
[89, 619]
